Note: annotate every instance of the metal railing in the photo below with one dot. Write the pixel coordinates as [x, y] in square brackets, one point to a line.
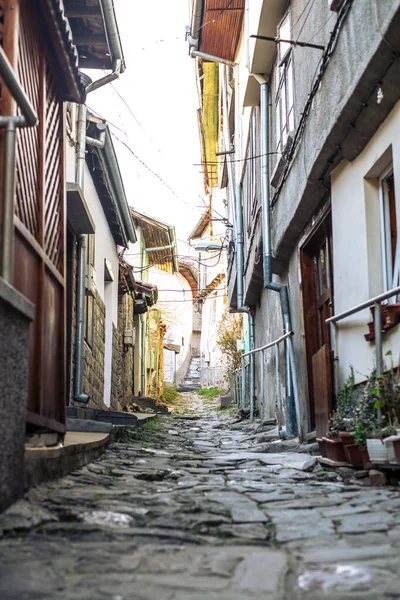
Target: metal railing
[377, 303]
[241, 378]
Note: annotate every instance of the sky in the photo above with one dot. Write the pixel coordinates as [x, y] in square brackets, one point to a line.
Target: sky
[153, 108]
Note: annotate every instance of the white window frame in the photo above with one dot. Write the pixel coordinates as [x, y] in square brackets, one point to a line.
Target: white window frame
[390, 271]
[284, 95]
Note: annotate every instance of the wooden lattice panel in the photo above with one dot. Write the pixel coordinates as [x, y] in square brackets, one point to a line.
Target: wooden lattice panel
[27, 201]
[53, 198]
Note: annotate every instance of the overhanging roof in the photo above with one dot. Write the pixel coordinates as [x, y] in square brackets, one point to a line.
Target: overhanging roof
[201, 225]
[221, 27]
[189, 272]
[58, 33]
[95, 31]
[211, 286]
[103, 167]
[158, 235]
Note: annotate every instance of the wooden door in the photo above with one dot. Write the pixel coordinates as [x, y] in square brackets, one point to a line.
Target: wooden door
[317, 289]
[39, 251]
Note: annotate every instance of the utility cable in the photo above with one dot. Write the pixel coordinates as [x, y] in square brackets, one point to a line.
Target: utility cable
[215, 18]
[209, 162]
[151, 171]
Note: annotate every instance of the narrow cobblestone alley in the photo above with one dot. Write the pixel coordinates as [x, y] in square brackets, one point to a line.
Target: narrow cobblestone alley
[193, 507]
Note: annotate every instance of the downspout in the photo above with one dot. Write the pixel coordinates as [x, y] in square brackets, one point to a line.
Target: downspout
[210, 57]
[10, 123]
[292, 412]
[235, 197]
[79, 395]
[143, 353]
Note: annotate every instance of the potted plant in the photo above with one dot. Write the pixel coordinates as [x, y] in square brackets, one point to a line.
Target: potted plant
[377, 449]
[341, 423]
[357, 454]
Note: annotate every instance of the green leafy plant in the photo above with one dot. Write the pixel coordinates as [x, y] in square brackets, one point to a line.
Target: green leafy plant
[170, 395]
[387, 395]
[210, 392]
[229, 332]
[342, 418]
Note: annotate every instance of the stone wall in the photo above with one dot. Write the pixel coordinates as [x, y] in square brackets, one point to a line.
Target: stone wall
[93, 372]
[117, 359]
[124, 354]
[16, 314]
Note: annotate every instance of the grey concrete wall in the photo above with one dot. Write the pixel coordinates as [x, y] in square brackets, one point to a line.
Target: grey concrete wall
[361, 58]
[15, 316]
[345, 114]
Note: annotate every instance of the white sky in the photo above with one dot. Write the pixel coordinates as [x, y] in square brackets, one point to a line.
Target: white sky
[159, 88]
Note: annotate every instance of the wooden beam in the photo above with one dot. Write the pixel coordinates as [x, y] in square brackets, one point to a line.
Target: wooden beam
[90, 62]
[75, 9]
[87, 38]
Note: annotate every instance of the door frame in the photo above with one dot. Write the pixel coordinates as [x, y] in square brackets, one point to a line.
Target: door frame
[320, 226]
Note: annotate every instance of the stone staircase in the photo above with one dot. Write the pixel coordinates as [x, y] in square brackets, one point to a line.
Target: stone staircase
[191, 381]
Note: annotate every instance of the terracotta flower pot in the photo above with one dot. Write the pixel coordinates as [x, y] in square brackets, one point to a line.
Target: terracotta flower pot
[353, 455]
[347, 438]
[334, 449]
[390, 315]
[396, 448]
[364, 456]
[322, 447]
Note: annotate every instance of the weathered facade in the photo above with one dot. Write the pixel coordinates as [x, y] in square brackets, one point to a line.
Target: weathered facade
[107, 215]
[312, 122]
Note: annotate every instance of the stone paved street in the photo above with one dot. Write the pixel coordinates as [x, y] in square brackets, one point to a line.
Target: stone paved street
[195, 508]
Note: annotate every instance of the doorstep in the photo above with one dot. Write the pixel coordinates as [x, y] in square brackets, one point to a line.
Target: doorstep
[79, 449]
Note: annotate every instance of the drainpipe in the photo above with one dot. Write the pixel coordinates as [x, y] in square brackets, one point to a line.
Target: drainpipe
[28, 119]
[237, 219]
[211, 58]
[79, 395]
[267, 264]
[143, 352]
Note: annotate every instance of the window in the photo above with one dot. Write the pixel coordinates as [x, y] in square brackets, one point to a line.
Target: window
[284, 109]
[390, 247]
[251, 176]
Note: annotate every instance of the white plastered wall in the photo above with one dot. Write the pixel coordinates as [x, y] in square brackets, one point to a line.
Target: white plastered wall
[356, 245]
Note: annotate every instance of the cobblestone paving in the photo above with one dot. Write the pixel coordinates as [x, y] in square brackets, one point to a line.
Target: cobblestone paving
[197, 508]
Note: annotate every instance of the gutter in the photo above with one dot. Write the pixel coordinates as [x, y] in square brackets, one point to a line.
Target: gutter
[293, 417]
[114, 43]
[112, 163]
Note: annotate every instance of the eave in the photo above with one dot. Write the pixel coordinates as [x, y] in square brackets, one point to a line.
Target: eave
[189, 273]
[201, 225]
[109, 185]
[158, 235]
[211, 286]
[220, 29]
[90, 21]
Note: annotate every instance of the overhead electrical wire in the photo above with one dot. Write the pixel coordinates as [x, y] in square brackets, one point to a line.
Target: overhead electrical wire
[151, 171]
[211, 162]
[192, 299]
[219, 15]
[138, 157]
